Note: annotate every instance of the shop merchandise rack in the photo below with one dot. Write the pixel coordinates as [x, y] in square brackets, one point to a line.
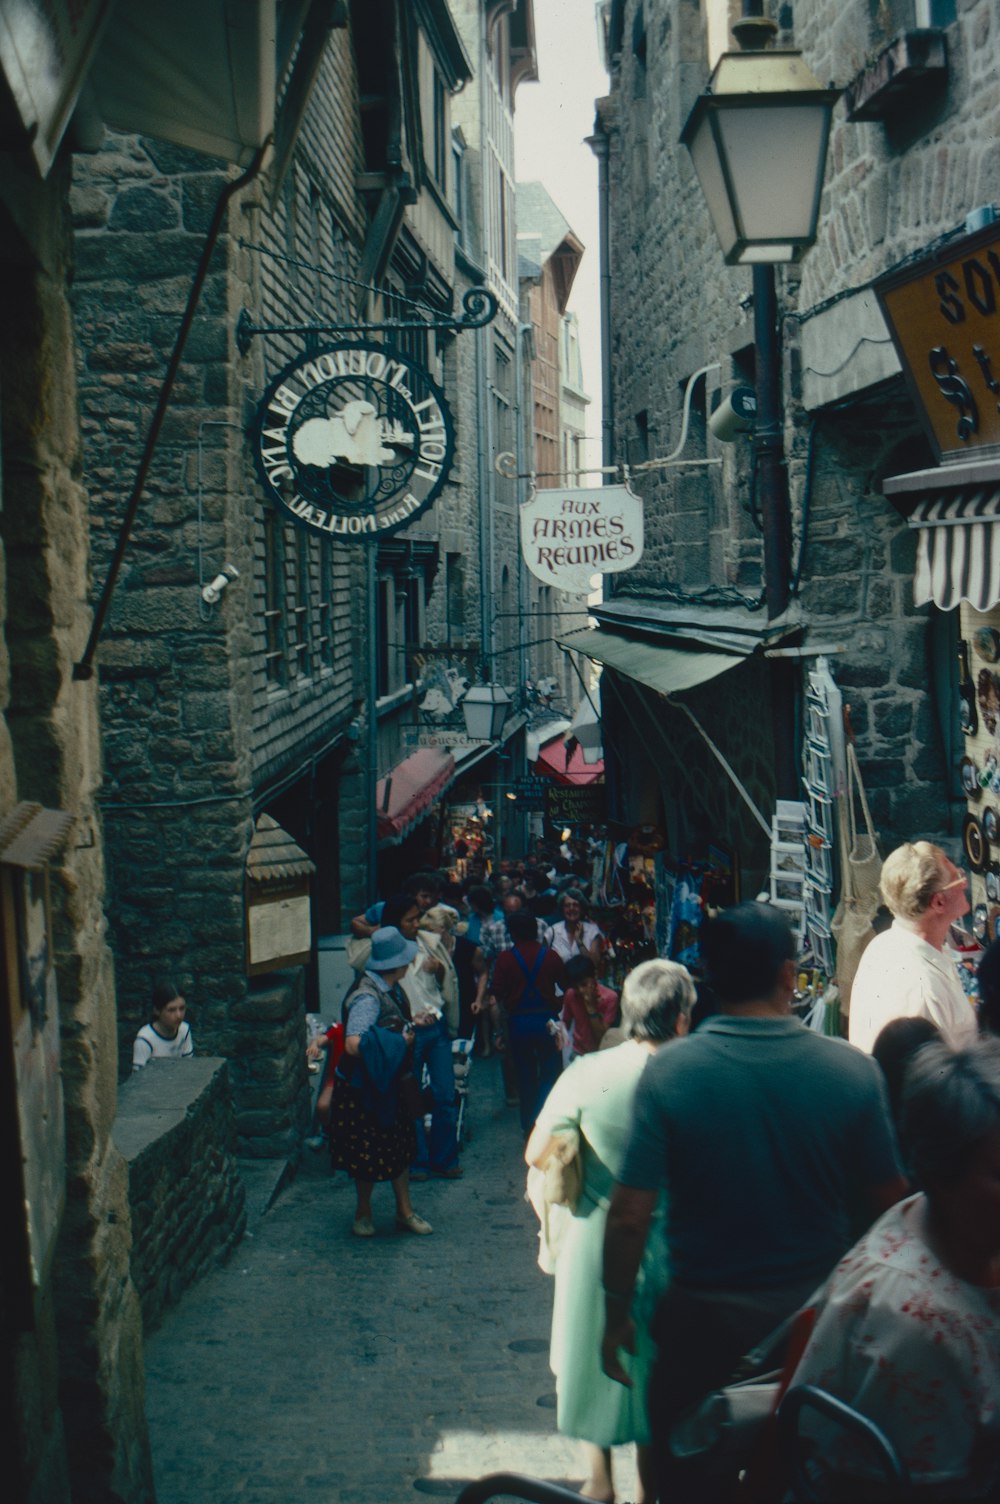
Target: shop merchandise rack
[802, 831]
[788, 862]
[820, 786]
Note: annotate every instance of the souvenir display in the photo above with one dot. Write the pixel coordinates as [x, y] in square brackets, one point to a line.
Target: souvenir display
[988, 695]
[987, 642]
[968, 719]
[980, 921]
[975, 843]
[991, 826]
[970, 778]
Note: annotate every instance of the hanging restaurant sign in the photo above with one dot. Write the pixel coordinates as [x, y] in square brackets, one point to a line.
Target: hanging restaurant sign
[569, 536]
[944, 317]
[353, 440]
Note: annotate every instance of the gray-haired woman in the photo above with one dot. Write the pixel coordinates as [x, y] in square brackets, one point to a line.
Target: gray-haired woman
[575, 933]
[594, 1098]
[909, 1329]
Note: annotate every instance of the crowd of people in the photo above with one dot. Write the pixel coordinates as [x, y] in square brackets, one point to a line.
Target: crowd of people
[511, 965]
[740, 1174]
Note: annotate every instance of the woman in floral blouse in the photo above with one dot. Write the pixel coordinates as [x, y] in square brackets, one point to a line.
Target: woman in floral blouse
[909, 1328]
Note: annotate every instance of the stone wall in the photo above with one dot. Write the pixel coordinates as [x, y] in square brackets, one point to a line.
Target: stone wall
[175, 1131]
[197, 725]
[890, 190]
[71, 1369]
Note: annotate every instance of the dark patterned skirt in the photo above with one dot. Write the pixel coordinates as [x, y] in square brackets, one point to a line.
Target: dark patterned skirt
[359, 1145]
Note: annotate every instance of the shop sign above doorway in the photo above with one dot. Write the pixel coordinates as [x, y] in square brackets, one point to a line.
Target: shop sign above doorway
[944, 317]
[353, 440]
[569, 536]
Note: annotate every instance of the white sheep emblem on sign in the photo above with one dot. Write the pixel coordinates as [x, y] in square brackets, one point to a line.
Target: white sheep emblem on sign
[354, 434]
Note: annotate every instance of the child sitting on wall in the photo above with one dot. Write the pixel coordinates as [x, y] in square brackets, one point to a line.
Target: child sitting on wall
[169, 1034]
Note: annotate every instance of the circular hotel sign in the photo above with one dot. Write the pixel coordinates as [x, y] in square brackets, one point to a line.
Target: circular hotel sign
[353, 440]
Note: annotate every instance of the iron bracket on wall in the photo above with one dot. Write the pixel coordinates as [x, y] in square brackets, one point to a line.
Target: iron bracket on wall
[480, 304]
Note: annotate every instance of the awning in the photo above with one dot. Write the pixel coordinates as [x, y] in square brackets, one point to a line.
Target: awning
[670, 670]
[586, 726]
[412, 786]
[197, 73]
[537, 736]
[552, 762]
[958, 547]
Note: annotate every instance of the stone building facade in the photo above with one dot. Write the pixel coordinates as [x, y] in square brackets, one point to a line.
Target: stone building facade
[259, 703]
[896, 184]
[295, 694]
[71, 1329]
[71, 1346]
[549, 256]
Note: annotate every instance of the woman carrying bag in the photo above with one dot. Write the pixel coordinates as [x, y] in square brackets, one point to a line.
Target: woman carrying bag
[594, 1099]
[372, 1135]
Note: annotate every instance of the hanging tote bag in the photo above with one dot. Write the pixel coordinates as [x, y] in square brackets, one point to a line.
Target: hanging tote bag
[861, 868]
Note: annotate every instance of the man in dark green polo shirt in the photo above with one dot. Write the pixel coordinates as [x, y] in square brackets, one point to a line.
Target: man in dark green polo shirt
[765, 1137]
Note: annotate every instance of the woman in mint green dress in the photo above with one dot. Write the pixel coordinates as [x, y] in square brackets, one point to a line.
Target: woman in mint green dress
[594, 1098]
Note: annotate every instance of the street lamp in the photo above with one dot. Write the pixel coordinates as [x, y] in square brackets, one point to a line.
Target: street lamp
[757, 138]
[485, 709]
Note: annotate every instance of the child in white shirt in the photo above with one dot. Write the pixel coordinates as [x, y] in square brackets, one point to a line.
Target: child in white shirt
[169, 1034]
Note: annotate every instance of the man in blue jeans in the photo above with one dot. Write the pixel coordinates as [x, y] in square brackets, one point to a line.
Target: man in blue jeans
[524, 984]
[437, 1152]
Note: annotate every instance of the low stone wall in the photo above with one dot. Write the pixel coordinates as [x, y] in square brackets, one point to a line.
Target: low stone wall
[175, 1129]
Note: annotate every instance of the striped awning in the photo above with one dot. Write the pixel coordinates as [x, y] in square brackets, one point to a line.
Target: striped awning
[958, 547]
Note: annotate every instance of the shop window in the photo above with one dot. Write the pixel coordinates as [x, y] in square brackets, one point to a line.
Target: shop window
[413, 611]
[508, 627]
[274, 644]
[458, 188]
[639, 55]
[413, 342]
[641, 447]
[324, 605]
[455, 597]
[300, 655]
[440, 141]
[383, 632]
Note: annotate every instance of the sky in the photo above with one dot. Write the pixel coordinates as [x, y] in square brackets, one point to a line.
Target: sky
[552, 118]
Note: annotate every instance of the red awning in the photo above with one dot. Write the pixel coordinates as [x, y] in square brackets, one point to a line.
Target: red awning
[413, 785]
[552, 763]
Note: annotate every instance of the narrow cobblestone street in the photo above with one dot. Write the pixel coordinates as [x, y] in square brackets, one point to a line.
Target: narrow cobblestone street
[318, 1366]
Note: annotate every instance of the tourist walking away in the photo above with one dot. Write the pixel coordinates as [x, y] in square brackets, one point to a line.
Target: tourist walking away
[168, 1037]
[908, 1331]
[908, 970]
[371, 1127]
[494, 939]
[525, 979]
[766, 1138]
[593, 1100]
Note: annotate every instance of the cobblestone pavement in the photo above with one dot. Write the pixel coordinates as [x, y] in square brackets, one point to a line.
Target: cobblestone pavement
[321, 1367]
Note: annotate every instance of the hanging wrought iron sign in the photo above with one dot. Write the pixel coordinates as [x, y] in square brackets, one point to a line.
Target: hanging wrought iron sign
[353, 440]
